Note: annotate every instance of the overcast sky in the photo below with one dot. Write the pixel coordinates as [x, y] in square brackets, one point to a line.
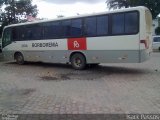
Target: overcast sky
[52, 8]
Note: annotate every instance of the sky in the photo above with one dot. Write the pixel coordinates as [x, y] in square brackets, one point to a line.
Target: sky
[51, 8]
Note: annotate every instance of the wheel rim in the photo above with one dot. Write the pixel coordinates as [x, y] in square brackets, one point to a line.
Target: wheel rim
[19, 58]
[78, 62]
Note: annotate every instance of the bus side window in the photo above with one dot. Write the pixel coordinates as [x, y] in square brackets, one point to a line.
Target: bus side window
[37, 32]
[118, 23]
[90, 26]
[131, 22]
[102, 25]
[66, 24]
[6, 37]
[15, 34]
[76, 28]
[21, 33]
[52, 30]
[28, 33]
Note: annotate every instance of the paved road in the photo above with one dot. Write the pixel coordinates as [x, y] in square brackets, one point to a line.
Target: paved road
[55, 88]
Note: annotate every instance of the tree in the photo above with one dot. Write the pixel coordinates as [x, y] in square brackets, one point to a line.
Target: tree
[16, 11]
[153, 5]
[117, 4]
[1, 2]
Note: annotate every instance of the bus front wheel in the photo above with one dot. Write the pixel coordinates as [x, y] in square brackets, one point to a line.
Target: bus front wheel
[78, 61]
[19, 58]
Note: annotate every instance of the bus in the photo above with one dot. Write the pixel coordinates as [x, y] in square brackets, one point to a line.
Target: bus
[119, 36]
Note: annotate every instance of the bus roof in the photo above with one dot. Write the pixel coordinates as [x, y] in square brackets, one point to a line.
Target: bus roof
[79, 16]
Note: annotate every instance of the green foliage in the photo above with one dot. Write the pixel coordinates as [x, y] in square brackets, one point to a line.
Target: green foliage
[153, 5]
[157, 31]
[15, 11]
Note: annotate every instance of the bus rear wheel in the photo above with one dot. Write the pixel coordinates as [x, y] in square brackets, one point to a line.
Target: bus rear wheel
[78, 61]
[19, 58]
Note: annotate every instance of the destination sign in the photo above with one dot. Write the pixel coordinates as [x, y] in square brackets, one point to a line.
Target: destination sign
[49, 44]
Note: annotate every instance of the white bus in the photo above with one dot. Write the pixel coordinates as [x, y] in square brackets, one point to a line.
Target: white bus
[120, 36]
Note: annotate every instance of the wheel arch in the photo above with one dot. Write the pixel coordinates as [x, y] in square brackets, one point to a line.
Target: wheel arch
[80, 52]
[17, 52]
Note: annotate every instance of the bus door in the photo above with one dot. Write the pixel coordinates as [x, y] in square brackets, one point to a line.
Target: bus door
[6, 40]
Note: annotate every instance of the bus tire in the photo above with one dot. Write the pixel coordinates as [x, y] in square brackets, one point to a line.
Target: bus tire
[19, 58]
[159, 49]
[78, 61]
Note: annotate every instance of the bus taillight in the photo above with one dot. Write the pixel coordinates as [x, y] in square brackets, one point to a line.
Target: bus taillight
[145, 42]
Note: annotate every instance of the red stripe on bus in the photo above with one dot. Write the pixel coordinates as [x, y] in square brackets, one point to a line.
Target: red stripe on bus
[77, 44]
